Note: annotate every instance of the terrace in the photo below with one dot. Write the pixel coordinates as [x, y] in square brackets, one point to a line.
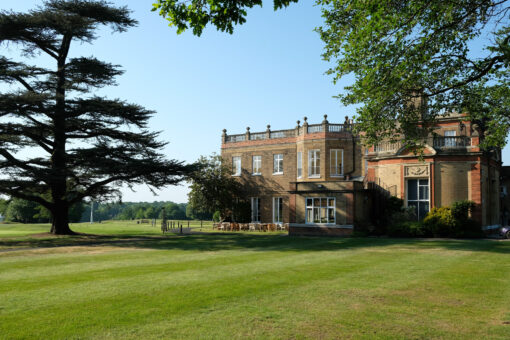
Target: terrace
[299, 130]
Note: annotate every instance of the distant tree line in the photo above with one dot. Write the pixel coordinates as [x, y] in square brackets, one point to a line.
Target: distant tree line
[18, 210]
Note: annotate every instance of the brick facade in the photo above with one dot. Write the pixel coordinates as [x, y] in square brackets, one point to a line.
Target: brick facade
[452, 165]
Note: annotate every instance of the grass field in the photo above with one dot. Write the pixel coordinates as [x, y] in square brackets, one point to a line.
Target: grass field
[128, 282]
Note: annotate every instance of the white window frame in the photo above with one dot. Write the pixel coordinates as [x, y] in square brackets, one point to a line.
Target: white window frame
[256, 159]
[448, 141]
[278, 164]
[418, 200]
[255, 209]
[236, 166]
[334, 171]
[277, 209]
[319, 209]
[312, 163]
[299, 165]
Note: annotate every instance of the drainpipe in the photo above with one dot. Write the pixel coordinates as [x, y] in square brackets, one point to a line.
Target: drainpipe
[348, 174]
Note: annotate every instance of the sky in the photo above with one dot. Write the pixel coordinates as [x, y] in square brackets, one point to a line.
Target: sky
[270, 71]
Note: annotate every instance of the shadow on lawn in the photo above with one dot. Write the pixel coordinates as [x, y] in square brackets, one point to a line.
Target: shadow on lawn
[261, 242]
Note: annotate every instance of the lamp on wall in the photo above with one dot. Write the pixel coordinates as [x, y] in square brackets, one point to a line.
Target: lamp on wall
[320, 186]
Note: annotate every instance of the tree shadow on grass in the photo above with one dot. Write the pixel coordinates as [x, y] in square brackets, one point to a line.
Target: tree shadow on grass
[257, 242]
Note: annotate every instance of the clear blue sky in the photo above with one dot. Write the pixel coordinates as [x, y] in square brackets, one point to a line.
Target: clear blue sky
[268, 72]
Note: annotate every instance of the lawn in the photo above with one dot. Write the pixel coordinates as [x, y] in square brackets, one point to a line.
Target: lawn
[129, 281]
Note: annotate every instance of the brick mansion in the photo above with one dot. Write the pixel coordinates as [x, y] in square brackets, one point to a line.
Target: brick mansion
[319, 178]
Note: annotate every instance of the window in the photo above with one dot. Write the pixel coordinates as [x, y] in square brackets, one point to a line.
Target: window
[257, 165]
[278, 164]
[299, 164]
[418, 196]
[236, 166]
[255, 209]
[320, 210]
[337, 162]
[277, 210]
[449, 138]
[314, 163]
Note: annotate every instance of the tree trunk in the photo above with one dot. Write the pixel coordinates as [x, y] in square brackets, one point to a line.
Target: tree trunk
[60, 211]
[60, 223]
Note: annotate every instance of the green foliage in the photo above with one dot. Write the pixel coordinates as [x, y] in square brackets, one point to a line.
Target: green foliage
[452, 221]
[195, 215]
[81, 145]
[401, 52]
[388, 210]
[461, 209]
[216, 216]
[19, 210]
[135, 210]
[196, 14]
[440, 222]
[242, 211]
[3, 206]
[213, 188]
[22, 211]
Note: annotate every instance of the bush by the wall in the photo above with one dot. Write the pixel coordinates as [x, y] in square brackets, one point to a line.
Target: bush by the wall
[452, 221]
[440, 222]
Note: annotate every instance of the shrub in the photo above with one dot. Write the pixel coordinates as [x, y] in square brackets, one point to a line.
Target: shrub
[452, 222]
[440, 222]
[461, 210]
[216, 216]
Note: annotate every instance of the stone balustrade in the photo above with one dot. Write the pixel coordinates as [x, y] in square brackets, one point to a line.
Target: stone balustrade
[299, 130]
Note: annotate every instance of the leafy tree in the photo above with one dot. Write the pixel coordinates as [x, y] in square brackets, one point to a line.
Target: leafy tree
[175, 211]
[420, 51]
[77, 146]
[75, 213]
[3, 206]
[196, 14]
[150, 213]
[412, 60]
[195, 215]
[140, 214]
[22, 211]
[213, 188]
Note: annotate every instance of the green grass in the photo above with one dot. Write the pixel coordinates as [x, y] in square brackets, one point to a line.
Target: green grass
[128, 282]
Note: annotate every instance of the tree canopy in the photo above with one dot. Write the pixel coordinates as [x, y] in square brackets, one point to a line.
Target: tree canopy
[426, 51]
[449, 56]
[213, 188]
[58, 144]
[196, 14]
